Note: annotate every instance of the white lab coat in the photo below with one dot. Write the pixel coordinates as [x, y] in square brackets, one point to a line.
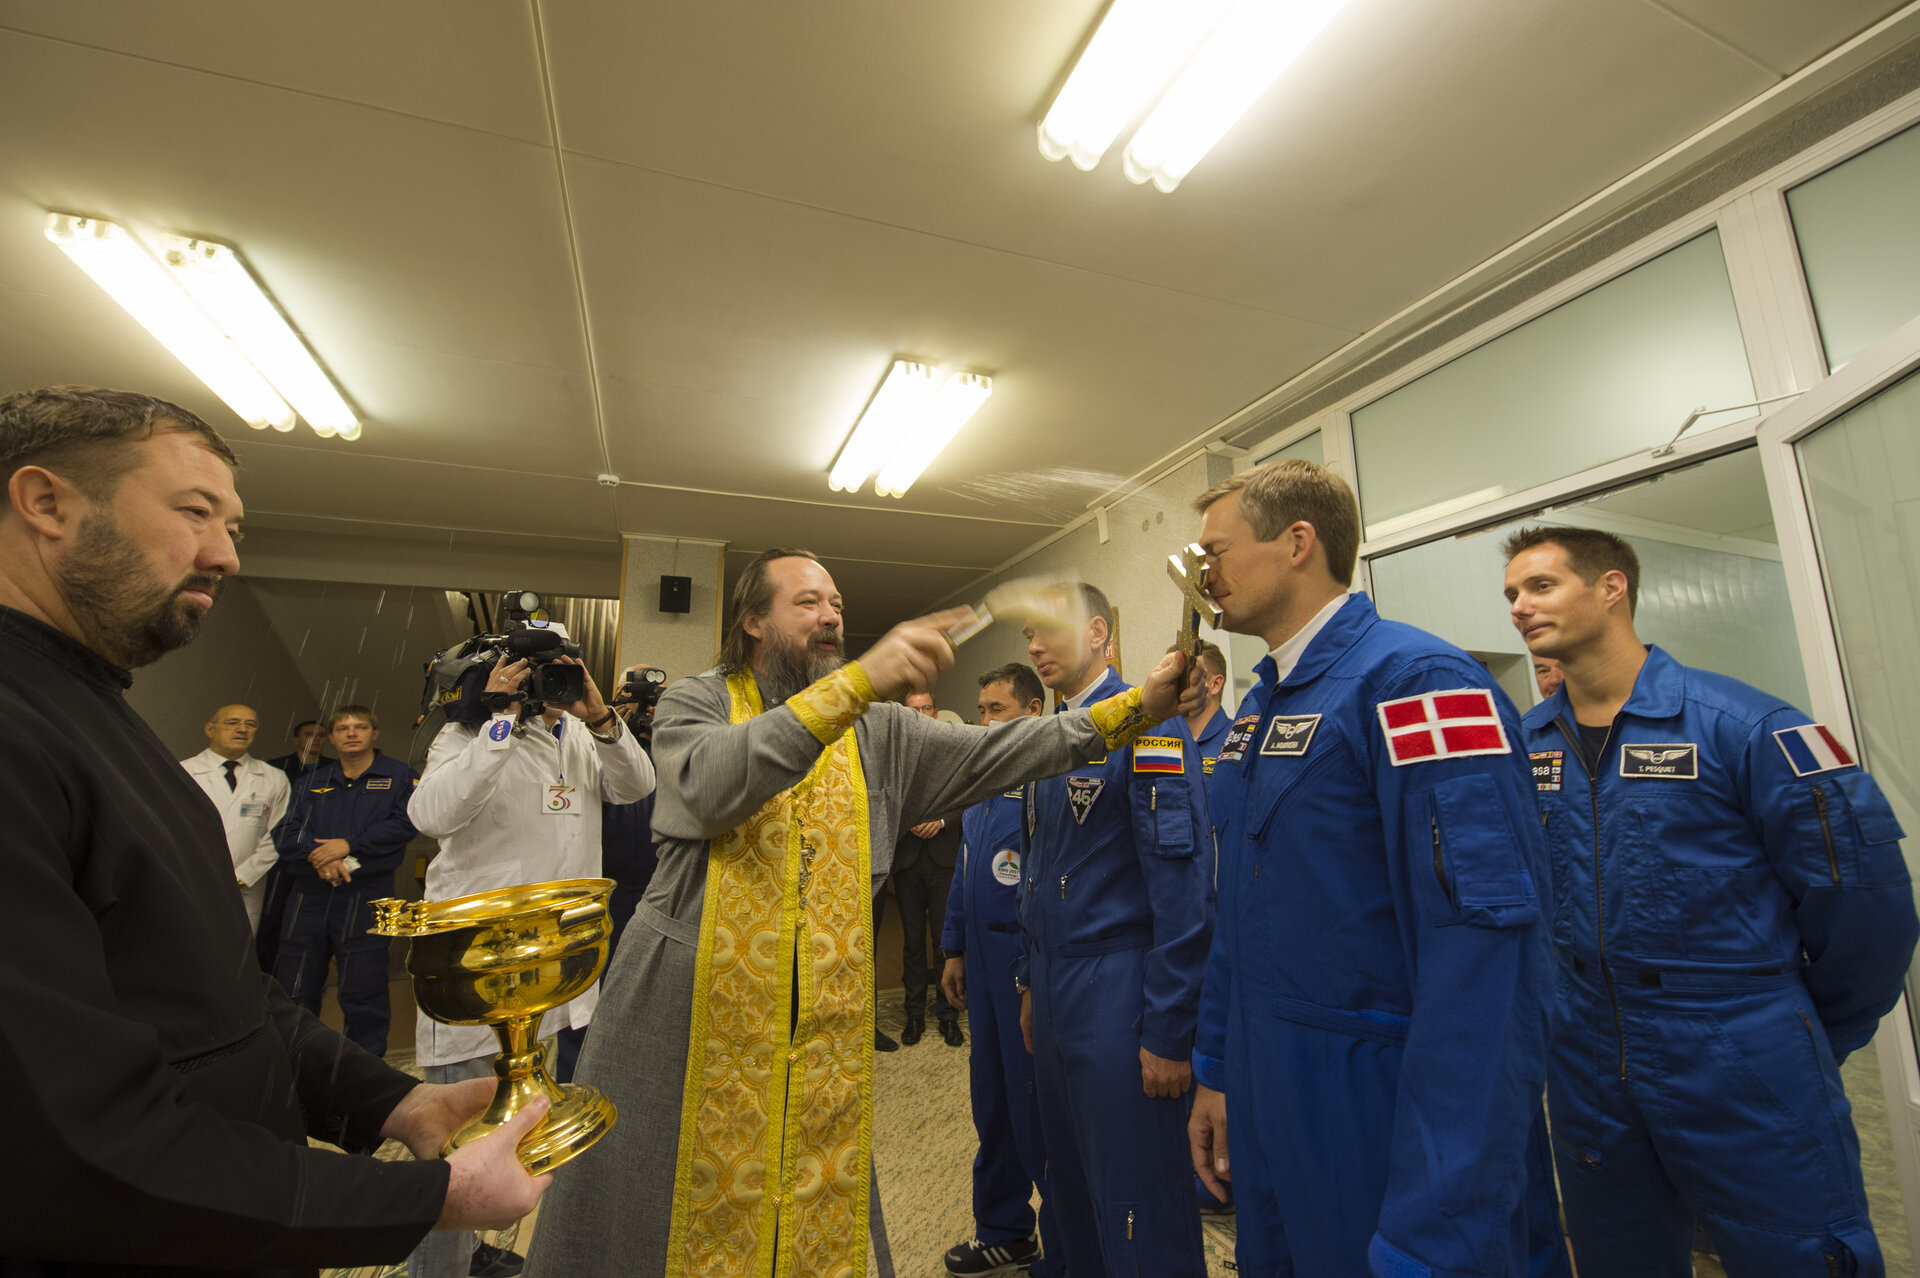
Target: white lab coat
[483, 795]
[249, 811]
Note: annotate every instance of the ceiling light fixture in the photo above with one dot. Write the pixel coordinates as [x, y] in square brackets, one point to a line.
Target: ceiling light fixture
[207, 309]
[1140, 44]
[1245, 54]
[217, 279]
[958, 399]
[916, 412]
[1136, 49]
[116, 262]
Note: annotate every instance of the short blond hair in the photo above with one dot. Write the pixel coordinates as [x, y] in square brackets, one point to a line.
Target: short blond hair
[1279, 494]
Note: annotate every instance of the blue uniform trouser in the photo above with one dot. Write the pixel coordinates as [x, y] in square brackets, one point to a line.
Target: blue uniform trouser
[1011, 1161]
[1117, 1161]
[1731, 1112]
[1310, 1114]
[325, 923]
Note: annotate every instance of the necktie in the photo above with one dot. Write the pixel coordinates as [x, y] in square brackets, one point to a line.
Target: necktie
[232, 766]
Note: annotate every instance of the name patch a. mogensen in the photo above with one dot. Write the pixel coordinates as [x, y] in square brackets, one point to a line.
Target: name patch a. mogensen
[1673, 761]
[1289, 735]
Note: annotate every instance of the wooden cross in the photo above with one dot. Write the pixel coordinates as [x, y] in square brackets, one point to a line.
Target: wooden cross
[1189, 572]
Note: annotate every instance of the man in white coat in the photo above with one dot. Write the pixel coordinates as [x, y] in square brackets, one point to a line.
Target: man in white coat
[251, 795]
[515, 799]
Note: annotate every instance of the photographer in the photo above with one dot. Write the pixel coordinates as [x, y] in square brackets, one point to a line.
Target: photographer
[513, 799]
[626, 831]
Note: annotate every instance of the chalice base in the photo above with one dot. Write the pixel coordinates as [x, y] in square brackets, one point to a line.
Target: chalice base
[580, 1114]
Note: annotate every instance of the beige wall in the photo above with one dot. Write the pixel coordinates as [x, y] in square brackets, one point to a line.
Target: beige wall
[1131, 568]
[237, 657]
[681, 644]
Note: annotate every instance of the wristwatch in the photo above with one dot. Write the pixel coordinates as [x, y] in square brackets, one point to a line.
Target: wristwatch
[952, 954]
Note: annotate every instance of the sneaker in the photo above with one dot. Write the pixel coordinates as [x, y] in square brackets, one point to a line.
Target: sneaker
[495, 1262]
[916, 1026]
[1209, 1205]
[881, 1043]
[974, 1259]
[950, 1031]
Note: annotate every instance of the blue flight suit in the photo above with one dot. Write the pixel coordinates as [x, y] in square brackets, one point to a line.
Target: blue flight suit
[1377, 997]
[324, 921]
[1115, 919]
[983, 922]
[1208, 744]
[1734, 917]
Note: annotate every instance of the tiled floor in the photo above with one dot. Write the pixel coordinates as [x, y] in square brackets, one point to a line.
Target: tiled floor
[924, 1144]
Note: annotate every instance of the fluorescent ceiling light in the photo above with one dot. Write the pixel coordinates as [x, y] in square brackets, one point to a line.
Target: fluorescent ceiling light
[226, 290]
[1137, 48]
[118, 264]
[1233, 68]
[958, 399]
[916, 412]
[892, 410]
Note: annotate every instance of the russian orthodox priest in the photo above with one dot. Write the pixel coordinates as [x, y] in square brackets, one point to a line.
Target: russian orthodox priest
[735, 1030]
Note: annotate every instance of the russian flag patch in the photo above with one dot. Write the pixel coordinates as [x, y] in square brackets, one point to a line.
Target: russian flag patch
[1811, 748]
[1442, 725]
[1159, 754]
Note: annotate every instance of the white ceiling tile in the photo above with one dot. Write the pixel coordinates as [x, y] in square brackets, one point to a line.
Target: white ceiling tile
[453, 60]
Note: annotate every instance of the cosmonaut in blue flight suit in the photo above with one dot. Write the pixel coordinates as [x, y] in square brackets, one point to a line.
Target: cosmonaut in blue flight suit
[1377, 996]
[324, 920]
[983, 926]
[1115, 916]
[1733, 918]
[1373, 1032]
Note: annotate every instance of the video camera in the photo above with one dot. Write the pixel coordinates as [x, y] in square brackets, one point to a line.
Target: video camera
[457, 677]
[642, 690]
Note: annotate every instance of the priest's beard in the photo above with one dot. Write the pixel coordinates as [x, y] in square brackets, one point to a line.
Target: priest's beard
[785, 666]
[123, 610]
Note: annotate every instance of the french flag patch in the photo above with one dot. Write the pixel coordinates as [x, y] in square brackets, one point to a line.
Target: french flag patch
[1159, 754]
[1442, 725]
[1811, 748]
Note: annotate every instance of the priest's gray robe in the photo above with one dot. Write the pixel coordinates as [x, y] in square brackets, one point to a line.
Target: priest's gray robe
[609, 1211]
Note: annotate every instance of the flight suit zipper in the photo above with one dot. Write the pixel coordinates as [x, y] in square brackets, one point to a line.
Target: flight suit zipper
[1440, 864]
[1826, 831]
[1063, 887]
[1599, 894]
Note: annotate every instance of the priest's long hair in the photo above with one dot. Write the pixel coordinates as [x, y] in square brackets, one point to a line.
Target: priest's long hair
[752, 597]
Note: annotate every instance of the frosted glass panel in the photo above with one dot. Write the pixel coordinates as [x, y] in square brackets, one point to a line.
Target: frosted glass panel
[1712, 591]
[1862, 474]
[1612, 372]
[1306, 448]
[1859, 230]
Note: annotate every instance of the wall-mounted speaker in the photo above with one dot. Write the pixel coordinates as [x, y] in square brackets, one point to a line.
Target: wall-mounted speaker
[676, 594]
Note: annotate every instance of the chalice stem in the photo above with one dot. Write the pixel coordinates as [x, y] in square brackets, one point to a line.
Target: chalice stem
[522, 1070]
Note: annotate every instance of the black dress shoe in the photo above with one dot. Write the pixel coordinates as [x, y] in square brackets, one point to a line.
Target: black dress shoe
[881, 1043]
[950, 1030]
[916, 1029]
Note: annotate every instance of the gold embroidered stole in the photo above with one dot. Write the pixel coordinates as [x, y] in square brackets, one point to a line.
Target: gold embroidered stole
[776, 1128]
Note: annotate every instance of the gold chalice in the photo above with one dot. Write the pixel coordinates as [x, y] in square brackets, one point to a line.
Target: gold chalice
[503, 958]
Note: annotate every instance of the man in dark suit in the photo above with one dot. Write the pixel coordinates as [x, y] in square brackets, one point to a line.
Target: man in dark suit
[922, 876]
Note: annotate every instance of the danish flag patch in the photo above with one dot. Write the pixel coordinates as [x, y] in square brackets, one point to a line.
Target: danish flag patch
[1442, 725]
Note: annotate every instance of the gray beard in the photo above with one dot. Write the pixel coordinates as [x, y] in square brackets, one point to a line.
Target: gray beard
[786, 667]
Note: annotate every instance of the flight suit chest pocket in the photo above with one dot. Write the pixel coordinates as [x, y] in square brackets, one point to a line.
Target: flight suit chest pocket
[1477, 855]
[1271, 778]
